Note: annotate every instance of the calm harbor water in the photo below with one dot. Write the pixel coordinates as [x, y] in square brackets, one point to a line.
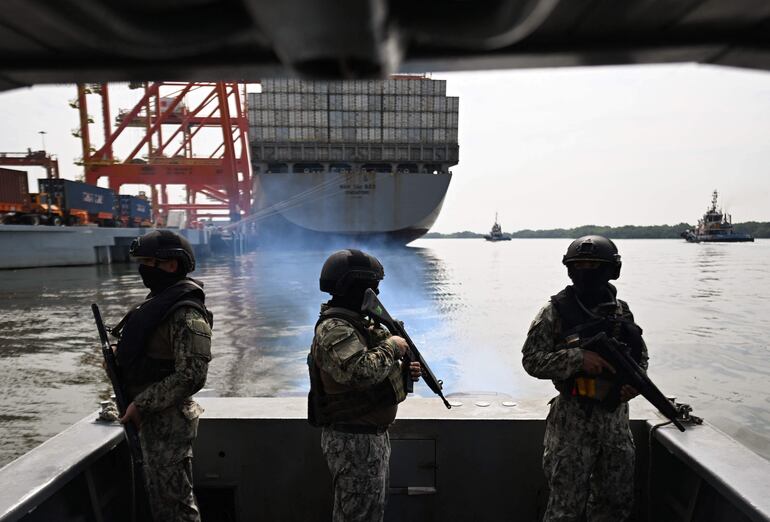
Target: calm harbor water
[705, 310]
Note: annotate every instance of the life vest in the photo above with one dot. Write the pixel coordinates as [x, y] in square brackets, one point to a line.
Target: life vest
[135, 331]
[324, 408]
[578, 325]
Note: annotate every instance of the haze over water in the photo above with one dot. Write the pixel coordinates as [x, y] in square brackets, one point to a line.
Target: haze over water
[466, 303]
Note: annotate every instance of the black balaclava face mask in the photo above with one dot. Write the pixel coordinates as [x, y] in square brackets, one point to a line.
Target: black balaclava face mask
[354, 297]
[591, 283]
[157, 279]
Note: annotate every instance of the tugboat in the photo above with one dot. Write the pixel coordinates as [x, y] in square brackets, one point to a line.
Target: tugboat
[496, 234]
[715, 226]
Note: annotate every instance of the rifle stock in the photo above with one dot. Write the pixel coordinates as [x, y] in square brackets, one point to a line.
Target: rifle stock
[375, 309]
[111, 365]
[629, 372]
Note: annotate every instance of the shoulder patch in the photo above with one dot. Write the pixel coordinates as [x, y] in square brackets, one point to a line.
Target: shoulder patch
[339, 340]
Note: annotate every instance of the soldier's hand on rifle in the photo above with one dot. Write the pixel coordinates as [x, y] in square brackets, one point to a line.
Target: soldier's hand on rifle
[401, 344]
[593, 363]
[627, 393]
[132, 415]
[415, 370]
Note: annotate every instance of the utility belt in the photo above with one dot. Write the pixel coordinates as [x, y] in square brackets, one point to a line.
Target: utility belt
[359, 429]
[595, 388]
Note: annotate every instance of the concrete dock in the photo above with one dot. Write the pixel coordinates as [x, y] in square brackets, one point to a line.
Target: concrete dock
[28, 246]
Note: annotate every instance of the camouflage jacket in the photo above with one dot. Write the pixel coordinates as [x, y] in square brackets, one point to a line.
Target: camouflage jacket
[339, 351]
[544, 353]
[187, 334]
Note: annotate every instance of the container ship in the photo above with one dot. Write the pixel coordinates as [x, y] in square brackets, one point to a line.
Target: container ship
[364, 159]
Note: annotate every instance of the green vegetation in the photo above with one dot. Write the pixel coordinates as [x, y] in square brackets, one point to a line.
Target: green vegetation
[756, 229]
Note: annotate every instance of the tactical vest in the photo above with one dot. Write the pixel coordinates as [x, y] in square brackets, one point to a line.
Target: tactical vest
[141, 364]
[324, 408]
[577, 325]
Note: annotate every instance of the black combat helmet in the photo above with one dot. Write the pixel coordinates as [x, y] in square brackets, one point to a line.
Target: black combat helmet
[344, 267]
[594, 248]
[164, 244]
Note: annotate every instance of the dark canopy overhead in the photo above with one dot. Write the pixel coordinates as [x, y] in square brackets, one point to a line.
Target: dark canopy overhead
[57, 41]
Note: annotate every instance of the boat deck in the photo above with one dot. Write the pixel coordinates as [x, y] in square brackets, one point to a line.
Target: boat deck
[258, 459]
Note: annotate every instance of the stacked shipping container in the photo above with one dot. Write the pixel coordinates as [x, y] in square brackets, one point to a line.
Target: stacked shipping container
[413, 110]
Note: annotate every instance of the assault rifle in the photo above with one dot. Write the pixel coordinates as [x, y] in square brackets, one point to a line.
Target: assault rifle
[111, 365]
[375, 310]
[618, 354]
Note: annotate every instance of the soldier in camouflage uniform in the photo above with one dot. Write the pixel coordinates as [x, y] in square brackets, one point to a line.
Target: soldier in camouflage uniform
[163, 353]
[356, 382]
[589, 452]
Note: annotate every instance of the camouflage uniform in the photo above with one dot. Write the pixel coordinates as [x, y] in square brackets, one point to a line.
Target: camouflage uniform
[170, 416]
[589, 451]
[358, 462]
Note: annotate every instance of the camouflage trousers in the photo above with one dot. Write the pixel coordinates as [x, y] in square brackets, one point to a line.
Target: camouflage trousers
[166, 440]
[588, 463]
[359, 464]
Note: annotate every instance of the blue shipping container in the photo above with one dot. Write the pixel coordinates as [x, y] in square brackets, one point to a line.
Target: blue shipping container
[74, 195]
[135, 208]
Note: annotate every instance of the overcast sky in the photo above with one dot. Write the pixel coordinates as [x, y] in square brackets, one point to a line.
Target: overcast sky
[553, 148]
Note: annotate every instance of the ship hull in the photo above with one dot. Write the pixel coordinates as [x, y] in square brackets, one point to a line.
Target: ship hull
[361, 206]
[727, 238]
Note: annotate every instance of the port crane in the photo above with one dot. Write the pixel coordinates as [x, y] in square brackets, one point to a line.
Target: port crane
[170, 131]
[34, 158]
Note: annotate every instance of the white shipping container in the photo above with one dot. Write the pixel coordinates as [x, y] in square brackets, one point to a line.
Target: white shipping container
[414, 103]
[335, 102]
[402, 134]
[320, 102]
[441, 135]
[362, 102]
[403, 119]
[413, 119]
[348, 103]
[426, 119]
[294, 134]
[321, 87]
[281, 134]
[452, 120]
[335, 118]
[255, 133]
[361, 119]
[268, 133]
[375, 134]
[375, 119]
[453, 104]
[294, 119]
[335, 134]
[413, 135]
[321, 119]
[281, 118]
[439, 104]
[349, 133]
[451, 135]
[424, 135]
[388, 103]
[439, 120]
[389, 87]
[375, 102]
[348, 119]
[388, 119]
[322, 135]
[402, 87]
[402, 103]
[388, 135]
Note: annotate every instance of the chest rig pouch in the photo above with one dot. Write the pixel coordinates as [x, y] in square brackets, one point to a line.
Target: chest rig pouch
[578, 326]
[329, 408]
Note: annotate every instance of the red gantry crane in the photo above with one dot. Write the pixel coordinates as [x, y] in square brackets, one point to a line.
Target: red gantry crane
[170, 130]
[37, 158]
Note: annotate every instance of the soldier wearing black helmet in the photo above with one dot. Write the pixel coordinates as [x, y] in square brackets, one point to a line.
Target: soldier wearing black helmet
[355, 387]
[163, 353]
[589, 453]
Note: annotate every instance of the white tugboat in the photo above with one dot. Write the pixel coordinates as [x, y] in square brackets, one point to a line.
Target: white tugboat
[715, 226]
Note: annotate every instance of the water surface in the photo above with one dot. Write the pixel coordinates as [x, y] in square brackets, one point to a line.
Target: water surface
[705, 310]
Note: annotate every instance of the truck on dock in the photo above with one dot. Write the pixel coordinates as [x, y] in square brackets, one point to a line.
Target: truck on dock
[19, 206]
[135, 211]
[77, 199]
